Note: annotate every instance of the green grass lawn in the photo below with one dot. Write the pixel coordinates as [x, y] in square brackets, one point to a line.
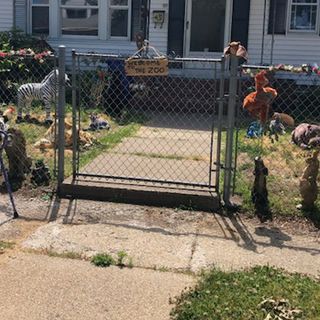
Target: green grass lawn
[259, 293]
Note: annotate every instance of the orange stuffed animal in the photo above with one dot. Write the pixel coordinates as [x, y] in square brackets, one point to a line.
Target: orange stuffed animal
[258, 103]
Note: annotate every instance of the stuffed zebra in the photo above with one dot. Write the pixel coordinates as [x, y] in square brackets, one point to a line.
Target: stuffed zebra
[45, 91]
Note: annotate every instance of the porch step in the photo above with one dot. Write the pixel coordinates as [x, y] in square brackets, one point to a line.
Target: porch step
[197, 199]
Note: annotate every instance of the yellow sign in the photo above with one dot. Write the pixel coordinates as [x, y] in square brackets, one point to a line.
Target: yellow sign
[146, 67]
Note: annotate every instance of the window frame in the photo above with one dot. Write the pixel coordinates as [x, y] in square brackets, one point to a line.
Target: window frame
[292, 3]
[30, 25]
[120, 7]
[104, 25]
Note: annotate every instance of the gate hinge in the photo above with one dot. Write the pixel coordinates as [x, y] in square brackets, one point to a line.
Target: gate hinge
[221, 166]
[225, 98]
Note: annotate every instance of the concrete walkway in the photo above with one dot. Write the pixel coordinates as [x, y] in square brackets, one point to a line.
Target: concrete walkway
[160, 154]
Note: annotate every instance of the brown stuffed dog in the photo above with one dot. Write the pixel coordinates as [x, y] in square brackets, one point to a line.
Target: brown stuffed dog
[306, 135]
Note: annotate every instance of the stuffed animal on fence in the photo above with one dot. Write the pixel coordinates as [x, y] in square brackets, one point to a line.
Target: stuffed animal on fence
[258, 103]
[98, 123]
[306, 136]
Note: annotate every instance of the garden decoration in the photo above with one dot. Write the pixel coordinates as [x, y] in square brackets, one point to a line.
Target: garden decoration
[15, 147]
[308, 182]
[306, 136]
[5, 140]
[97, 123]
[19, 162]
[258, 103]
[50, 139]
[254, 130]
[276, 128]
[40, 174]
[45, 91]
[259, 192]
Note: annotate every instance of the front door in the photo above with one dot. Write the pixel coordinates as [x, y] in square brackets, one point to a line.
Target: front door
[207, 27]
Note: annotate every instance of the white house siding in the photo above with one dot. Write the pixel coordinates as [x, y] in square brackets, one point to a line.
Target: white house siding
[292, 48]
[21, 14]
[6, 15]
[158, 37]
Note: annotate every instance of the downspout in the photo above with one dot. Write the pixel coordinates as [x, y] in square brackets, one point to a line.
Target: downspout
[273, 29]
[263, 31]
[14, 14]
[148, 20]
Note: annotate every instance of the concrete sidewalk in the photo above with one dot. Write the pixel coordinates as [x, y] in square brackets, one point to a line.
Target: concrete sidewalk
[175, 239]
[192, 250]
[36, 287]
[163, 244]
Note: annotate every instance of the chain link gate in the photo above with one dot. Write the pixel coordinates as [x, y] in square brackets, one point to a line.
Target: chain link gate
[149, 131]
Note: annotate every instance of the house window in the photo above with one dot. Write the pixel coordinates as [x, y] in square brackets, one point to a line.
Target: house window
[40, 17]
[277, 16]
[79, 17]
[119, 18]
[104, 19]
[303, 15]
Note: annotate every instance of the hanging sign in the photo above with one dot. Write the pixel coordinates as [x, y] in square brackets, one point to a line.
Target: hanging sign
[146, 67]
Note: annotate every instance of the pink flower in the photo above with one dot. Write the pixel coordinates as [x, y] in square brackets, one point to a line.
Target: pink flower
[22, 52]
[3, 54]
[38, 56]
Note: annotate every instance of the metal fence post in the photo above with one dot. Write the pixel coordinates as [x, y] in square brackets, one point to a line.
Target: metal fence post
[219, 126]
[74, 116]
[61, 114]
[230, 129]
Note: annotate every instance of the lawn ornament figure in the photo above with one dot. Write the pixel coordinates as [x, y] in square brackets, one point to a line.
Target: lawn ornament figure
[308, 182]
[254, 130]
[259, 192]
[5, 140]
[258, 103]
[40, 174]
[276, 128]
[306, 136]
[50, 138]
[45, 91]
[97, 123]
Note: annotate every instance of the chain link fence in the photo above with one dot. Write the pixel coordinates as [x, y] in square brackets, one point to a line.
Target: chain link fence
[31, 154]
[298, 95]
[154, 130]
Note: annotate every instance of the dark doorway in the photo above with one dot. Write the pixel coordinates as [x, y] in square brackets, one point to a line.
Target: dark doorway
[176, 26]
[240, 21]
